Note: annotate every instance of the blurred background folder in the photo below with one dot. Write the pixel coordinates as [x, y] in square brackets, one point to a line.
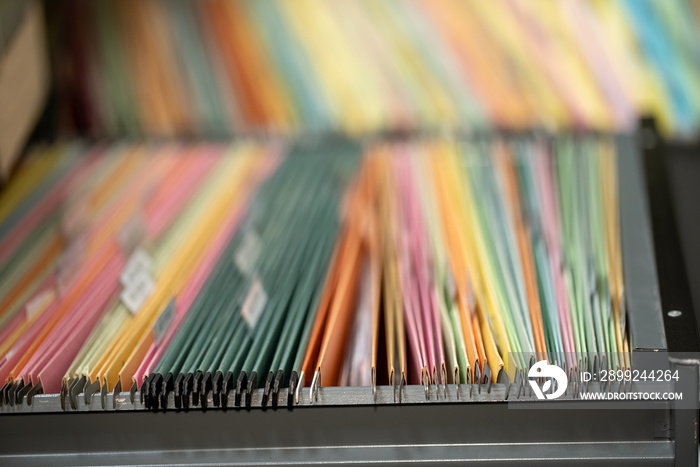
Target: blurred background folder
[24, 76]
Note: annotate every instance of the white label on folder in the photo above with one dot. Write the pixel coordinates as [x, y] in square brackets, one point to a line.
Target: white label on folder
[137, 291]
[248, 252]
[138, 261]
[39, 303]
[254, 304]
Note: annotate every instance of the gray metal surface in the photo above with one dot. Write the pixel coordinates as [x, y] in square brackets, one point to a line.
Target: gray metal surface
[491, 434]
[351, 425]
[684, 169]
[646, 325]
[332, 396]
[654, 453]
[521, 397]
[685, 422]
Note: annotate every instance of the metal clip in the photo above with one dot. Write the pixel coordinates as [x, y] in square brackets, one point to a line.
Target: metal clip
[505, 380]
[12, 392]
[62, 395]
[443, 369]
[488, 379]
[117, 391]
[142, 391]
[167, 387]
[295, 383]
[187, 390]
[216, 389]
[456, 380]
[196, 387]
[252, 385]
[132, 392]
[23, 392]
[37, 389]
[103, 395]
[425, 381]
[315, 383]
[204, 390]
[276, 387]
[226, 388]
[268, 387]
[154, 387]
[240, 387]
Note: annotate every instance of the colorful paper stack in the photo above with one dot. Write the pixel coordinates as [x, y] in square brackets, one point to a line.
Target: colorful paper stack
[223, 67]
[205, 270]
